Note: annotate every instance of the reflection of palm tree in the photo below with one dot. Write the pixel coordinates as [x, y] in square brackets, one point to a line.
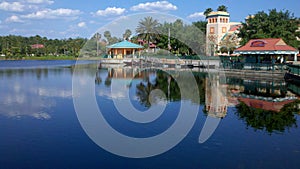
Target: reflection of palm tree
[143, 93]
[98, 79]
[148, 28]
[107, 82]
[163, 82]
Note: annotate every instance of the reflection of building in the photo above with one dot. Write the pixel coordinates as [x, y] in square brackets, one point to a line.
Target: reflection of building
[266, 95]
[215, 97]
[272, 105]
[124, 49]
[128, 73]
[218, 27]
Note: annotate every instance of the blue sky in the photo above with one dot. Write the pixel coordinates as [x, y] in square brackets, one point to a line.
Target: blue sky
[77, 18]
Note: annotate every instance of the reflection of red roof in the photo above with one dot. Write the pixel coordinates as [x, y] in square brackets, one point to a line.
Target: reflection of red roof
[266, 105]
[269, 44]
[37, 46]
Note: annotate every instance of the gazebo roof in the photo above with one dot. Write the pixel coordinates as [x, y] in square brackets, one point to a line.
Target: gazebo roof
[266, 46]
[125, 44]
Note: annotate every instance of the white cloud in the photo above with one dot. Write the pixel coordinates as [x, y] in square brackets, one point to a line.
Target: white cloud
[110, 11]
[81, 24]
[53, 14]
[154, 6]
[13, 18]
[197, 15]
[40, 1]
[13, 6]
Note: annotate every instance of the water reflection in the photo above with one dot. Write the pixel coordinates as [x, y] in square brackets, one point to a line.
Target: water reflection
[215, 96]
[263, 105]
[23, 94]
[267, 120]
[37, 115]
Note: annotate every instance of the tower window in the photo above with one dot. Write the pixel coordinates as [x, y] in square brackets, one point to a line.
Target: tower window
[212, 30]
[224, 30]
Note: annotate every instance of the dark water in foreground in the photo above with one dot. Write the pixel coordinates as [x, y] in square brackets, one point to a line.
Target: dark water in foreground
[39, 127]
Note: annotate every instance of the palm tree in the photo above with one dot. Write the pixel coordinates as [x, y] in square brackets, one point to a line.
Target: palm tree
[127, 34]
[207, 11]
[148, 28]
[222, 8]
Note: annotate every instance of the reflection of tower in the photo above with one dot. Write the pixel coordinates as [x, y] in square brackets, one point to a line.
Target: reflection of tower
[215, 97]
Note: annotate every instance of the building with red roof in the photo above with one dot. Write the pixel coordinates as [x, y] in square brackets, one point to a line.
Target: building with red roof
[268, 49]
[37, 46]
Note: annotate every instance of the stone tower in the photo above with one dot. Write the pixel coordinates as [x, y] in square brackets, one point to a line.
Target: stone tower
[218, 24]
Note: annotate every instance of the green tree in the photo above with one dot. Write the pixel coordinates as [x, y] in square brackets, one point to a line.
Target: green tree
[222, 8]
[274, 24]
[107, 35]
[148, 28]
[207, 11]
[201, 25]
[127, 34]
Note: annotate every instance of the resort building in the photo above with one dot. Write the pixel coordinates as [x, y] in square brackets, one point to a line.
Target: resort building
[37, 46]
[270, 50]
[218, 29]
[123, 50]
[152, 46]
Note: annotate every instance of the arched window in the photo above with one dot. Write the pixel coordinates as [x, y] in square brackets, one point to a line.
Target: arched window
[258, 43]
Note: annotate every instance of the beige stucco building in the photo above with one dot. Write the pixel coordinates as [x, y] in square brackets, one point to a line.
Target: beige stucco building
[218, 27]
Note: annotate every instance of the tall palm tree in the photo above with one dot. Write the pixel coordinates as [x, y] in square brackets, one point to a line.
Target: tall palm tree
[148, 28]
[207, 11]
[222, 8]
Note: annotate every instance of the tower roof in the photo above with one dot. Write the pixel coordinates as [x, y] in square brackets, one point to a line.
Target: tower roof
[217, 13]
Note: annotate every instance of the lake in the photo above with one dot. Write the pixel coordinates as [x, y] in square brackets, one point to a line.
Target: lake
[68, 114]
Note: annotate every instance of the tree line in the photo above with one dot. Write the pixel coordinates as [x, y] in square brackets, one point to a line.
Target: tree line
[190, 39]
[13, 46]
[174, 37]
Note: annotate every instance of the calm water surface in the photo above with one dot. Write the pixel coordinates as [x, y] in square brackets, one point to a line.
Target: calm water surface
[40, 129]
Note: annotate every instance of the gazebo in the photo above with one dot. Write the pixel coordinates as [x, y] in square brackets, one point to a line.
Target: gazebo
[123, 50]
[268, 50]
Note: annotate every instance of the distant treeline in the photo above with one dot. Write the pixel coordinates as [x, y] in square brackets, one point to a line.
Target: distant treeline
[13, 46]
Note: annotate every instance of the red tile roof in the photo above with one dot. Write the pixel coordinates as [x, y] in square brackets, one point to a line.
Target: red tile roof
[37, 46]
[234, 28]
[270, 44]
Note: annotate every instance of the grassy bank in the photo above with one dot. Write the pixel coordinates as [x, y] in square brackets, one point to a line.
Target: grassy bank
[62, 57]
